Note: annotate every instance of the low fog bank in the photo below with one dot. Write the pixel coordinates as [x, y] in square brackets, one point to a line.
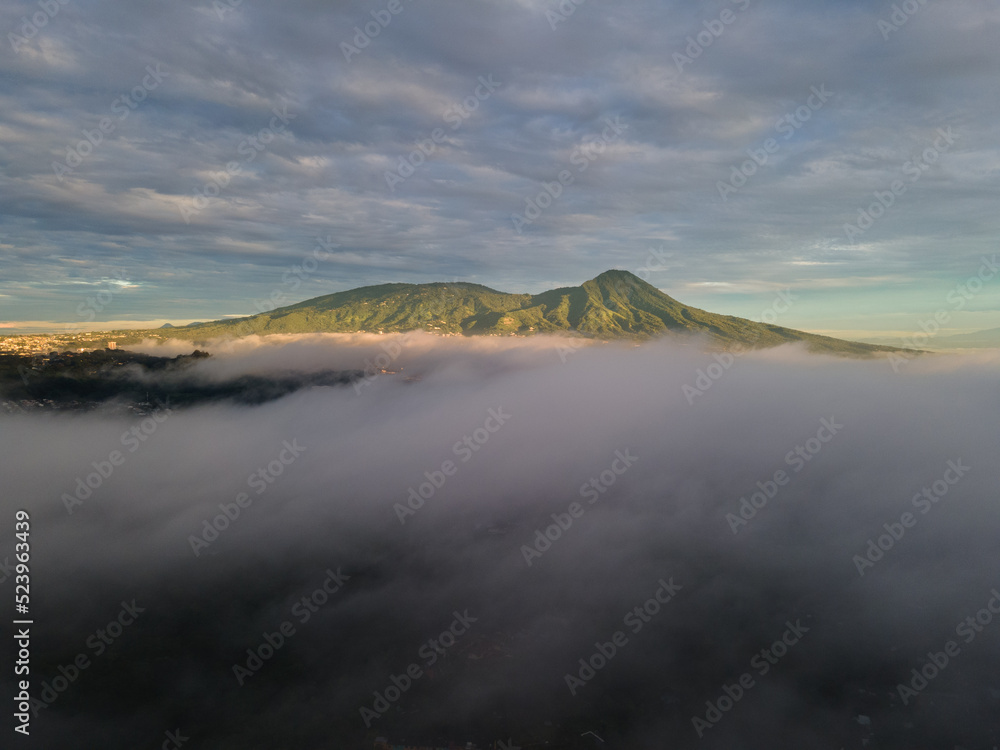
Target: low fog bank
[421, 498]
[418, 351]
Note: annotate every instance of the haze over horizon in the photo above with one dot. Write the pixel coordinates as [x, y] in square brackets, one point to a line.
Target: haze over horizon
[237, 133]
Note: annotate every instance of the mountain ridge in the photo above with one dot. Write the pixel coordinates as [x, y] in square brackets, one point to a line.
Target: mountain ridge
[616, 304]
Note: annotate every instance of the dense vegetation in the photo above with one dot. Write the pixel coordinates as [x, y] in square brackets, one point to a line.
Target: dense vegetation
[616, 304]
[87, 379]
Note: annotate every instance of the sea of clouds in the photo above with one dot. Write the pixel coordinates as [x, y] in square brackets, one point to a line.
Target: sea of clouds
[505, 537]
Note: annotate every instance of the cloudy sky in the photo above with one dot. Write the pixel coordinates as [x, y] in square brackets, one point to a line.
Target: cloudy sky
[182, 156]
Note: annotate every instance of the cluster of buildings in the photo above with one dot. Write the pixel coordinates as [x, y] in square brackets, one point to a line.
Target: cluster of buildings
[26, 344]
[42, 344]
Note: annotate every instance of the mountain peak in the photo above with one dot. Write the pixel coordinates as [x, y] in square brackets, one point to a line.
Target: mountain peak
[616, 274]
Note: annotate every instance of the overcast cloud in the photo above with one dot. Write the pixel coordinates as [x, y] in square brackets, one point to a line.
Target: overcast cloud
[202, 79]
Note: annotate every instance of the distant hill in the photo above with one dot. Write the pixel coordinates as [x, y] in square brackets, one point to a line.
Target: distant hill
[616, 304]
[987, 338]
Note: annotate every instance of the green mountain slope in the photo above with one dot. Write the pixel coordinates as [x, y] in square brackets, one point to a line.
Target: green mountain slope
[616, 304]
